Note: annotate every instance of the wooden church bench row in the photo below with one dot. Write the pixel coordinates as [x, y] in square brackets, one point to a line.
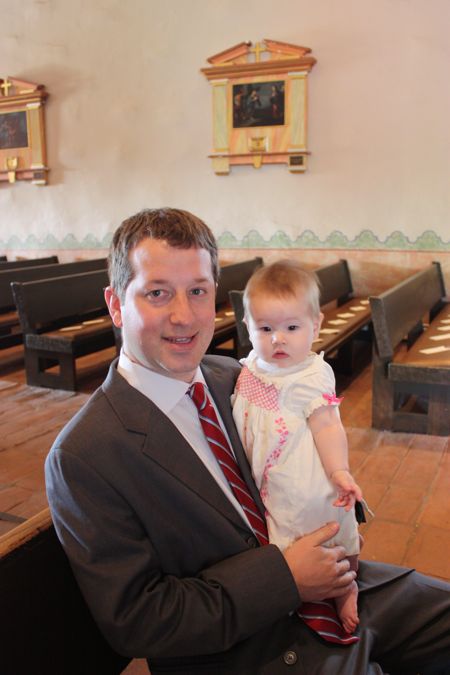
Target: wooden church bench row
[10, 331]
[62, 318]
[411, 387]
[28, 262]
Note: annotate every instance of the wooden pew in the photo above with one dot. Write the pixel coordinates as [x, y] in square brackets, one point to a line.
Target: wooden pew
[62, 318]
[411, 388]
[47, 628]
[2, 258]
[347, 348]
[336, 340]
[29, 262]
[233, 276]
[10, 332]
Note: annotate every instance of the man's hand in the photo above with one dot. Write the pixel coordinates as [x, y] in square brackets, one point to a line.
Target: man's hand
[319, 572]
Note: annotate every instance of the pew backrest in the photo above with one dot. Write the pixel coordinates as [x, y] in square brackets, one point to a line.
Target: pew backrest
[335, 283]
[400, 310]
[235, 277]
[28, 262]
[60, 300]
[24, 274]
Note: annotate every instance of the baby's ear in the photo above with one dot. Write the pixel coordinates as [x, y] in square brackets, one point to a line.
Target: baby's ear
[317, 324]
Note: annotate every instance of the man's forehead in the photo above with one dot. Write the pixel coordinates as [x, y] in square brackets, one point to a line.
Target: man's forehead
[156, 258]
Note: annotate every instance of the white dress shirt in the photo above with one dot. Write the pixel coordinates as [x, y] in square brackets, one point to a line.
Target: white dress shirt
[172, 398]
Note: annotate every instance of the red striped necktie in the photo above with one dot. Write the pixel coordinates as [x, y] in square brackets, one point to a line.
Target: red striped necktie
[321, 617]
[224, 455]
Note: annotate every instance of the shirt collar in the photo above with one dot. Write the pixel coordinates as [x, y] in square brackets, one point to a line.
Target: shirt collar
[165, 392]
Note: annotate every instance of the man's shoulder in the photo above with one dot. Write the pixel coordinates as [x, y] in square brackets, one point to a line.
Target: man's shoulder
[221, 372]
[218, 361]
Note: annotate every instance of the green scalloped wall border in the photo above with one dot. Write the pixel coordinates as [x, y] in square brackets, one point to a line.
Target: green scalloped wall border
[427, 241]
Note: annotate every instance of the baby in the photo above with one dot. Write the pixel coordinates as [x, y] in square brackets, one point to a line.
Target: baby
[287, 415]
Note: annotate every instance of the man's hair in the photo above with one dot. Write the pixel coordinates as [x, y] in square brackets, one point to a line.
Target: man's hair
[283, 279]
[178, 228]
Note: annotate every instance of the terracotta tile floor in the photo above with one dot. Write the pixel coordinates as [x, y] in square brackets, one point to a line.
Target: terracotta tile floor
[405, 477]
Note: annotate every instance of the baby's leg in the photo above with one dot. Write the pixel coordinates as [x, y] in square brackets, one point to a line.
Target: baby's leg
[346, 605]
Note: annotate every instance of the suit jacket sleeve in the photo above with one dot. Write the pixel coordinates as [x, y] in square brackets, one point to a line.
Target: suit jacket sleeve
[163, 578]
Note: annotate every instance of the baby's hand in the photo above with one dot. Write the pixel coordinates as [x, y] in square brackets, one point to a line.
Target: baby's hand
[348, 490]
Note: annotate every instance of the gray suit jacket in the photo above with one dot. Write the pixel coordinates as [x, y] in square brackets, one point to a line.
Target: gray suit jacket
[165, 563]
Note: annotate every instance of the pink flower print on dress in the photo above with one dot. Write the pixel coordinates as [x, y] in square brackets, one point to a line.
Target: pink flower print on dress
[274, 456]
[332, 399]
[250, 387]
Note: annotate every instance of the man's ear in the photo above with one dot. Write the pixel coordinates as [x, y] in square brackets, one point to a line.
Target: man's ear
[113, 304]
[317, 324]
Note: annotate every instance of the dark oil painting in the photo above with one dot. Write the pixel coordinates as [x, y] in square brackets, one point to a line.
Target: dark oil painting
[260, 104]
[13, 130]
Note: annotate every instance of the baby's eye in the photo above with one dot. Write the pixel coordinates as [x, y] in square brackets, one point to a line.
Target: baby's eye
[265, 329]
[293, 327]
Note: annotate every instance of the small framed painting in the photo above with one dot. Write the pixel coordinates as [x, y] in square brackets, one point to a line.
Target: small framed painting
[260, 105]
[22, 132]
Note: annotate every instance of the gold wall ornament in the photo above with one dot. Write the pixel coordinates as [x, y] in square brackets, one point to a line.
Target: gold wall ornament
[22, 131]
[5, 86]
[260, 105]
[11, 167]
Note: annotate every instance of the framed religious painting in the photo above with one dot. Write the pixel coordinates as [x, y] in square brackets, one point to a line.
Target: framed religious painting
[260, 105]
[22, 131]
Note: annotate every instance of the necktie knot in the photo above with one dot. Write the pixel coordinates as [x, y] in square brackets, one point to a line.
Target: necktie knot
[197, 392]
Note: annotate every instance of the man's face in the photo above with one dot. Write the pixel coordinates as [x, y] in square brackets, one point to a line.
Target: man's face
[167, 315]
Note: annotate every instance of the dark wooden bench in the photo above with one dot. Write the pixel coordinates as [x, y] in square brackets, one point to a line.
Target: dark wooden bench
[346, 331]
[233, 276]
[47, 628]
[346, 317]
[411, 385]
[10, 331]
[62, 318]
[28, 262]
[3, 258]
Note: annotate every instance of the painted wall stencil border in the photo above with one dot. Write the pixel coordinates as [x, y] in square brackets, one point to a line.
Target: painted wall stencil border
[366, 239]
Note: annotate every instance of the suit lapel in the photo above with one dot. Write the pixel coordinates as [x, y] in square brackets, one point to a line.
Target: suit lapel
[163, 443]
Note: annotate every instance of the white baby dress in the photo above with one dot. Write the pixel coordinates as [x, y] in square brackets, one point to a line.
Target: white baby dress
[271, 407]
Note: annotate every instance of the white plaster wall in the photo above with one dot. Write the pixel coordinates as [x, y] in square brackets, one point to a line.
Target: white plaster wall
[129, 116]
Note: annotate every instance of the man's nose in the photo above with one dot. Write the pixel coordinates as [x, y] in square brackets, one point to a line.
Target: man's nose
[181, 311]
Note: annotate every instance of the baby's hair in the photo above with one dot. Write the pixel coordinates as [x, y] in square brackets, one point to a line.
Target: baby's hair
[282, 279]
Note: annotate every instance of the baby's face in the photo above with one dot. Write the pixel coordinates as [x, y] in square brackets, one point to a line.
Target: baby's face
[282, 329]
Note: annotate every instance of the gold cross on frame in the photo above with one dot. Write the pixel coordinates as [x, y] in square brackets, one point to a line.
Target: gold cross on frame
[257, 50]
[5, 85]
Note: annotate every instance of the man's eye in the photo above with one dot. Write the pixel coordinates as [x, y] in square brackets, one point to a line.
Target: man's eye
[198, 291]
[157, 293]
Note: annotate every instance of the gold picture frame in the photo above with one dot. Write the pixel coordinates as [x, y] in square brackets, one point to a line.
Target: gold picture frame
[260, 105]
[22, 131]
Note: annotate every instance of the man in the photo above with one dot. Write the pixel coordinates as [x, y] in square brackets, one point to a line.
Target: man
[162, 549]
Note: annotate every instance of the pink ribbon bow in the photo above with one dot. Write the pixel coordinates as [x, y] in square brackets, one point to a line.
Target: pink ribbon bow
[332, 399]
